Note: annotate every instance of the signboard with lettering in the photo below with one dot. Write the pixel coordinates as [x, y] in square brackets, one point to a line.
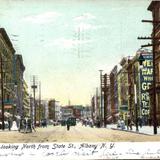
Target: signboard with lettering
[146, 78]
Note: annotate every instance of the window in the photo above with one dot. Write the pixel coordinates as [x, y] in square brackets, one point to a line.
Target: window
[8, 97]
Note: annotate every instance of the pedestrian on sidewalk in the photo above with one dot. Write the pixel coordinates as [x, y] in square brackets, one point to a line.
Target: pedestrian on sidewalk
[68, 124]
[122, 124]
[140, 121]
[130, 123]
[9, 124]
[33, 127]
[68, 127]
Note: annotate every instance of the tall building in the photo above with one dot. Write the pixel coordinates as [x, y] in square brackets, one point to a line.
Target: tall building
[95, 104]
[26, 105]
[54, 109]
[44, 109]
[7, 53]
[66, 112]
[122, 78]
[154, 7]
[114, 92]
[134, 81]
[139, 81]
[19, 70]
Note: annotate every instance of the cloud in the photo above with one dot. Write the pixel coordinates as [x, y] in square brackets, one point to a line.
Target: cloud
[67, 43]
[85, 16]
[43, 18]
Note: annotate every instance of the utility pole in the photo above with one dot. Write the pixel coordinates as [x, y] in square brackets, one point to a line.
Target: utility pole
[101, 109]
[135, 98]
[153, 38]
[2, 96]
[34, 87]
[97, 108]
[39, 102]
[31, 107]
[92, 106]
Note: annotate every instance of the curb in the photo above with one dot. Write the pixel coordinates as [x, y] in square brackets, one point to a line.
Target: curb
[132, 131]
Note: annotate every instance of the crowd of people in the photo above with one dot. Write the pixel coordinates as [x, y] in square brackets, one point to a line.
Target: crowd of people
[129, 123]
[26, 125]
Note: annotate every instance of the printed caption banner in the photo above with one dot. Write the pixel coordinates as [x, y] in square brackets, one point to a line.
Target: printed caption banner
[108, 150]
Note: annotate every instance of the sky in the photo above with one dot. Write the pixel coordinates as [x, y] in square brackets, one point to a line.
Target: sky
[65, 43]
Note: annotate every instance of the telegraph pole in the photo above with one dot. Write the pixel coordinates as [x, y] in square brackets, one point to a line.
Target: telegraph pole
[105, 99]
[135, 99]
[154, 83]
[31, 108]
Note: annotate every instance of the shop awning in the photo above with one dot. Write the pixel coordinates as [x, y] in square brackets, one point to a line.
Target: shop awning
[116, 115]
[109, 118]
[8, 106]
[123, 108]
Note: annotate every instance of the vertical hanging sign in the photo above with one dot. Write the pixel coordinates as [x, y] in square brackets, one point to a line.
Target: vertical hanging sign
[146, 79]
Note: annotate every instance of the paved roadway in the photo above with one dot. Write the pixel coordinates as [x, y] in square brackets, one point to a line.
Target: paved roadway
[78, 133]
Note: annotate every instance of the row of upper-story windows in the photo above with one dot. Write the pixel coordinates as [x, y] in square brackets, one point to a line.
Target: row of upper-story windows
[3, 47]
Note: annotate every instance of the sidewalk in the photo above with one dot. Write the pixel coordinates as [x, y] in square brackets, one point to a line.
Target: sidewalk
[148, 130]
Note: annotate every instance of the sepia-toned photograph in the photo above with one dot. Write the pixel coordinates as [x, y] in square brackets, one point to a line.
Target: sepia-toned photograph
[79, 71]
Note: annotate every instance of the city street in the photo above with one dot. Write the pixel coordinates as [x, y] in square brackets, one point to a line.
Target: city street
[77, 133]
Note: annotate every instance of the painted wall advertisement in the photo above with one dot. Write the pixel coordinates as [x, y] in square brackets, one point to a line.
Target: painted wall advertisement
[146, 78]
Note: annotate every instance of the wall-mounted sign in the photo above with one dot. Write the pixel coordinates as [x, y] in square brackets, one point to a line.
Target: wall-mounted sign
[146, 78]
